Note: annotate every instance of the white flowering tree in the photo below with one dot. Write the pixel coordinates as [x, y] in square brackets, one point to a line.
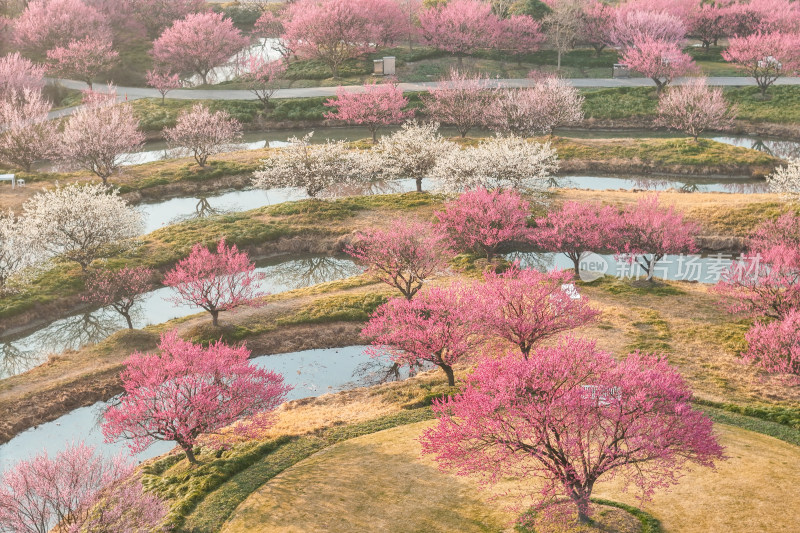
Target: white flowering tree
[82, 223]
[327, 168]
[201, 133]
[786, 181]
[26, 134]
[536, 110]
[18, 250]
[413, 150]
[99, 134]
[498, 163]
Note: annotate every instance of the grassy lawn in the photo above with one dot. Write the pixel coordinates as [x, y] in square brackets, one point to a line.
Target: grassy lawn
[326, 492]
[782, 106]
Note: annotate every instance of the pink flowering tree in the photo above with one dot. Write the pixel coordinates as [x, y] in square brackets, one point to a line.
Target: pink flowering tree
[215, 282]
[163, 81]
[437, 327]
[577, 228]
[694, 107]
[331, 31]
[461, 101]
[630, 26]
[121, 289]
[98, 133]
[536, 110]
[46, 494]
[125, 507]
[460, 27]
[27, 133]
[47, 24]
[157, 15]
[375, 106]
[661, 61]
[570, 416]
[519, 35]
[202, 133]
[524, 307]
[766, 281]
[262, 77]
[198, 43]
[775, 346]
[485, 220]
[649, 232]
[764, 56]
[405, 256]
[84, 60]
[598, 19]
[187, 390]
[18, 73]
[708, 23]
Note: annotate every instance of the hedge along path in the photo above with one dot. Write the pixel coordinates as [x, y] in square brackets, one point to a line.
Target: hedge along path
[379, 482]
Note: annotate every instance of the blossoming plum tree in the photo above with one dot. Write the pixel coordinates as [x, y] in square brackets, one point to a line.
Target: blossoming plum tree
[485, 220]
[202, 133]
[404, 256]
[572, 415]
[524, 306]
[121, 289]
[375, 106]
[577, 228]
[437, 326]
[694, 107]
[215, 282]
[188, 390]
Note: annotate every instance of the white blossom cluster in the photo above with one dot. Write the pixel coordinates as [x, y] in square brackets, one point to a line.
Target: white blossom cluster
[330, 168]
[81, 223]
[501, 162]
[786, 181]
[18, 250]
[414, 150]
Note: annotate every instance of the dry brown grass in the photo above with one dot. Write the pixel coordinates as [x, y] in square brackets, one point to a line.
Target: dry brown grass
[379, 483]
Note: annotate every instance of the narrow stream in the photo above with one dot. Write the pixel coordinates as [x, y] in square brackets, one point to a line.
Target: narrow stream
[310, 372]
[705, 268]
[21, 352]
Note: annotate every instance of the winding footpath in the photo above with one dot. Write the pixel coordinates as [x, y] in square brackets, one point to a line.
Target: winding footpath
[133, 93]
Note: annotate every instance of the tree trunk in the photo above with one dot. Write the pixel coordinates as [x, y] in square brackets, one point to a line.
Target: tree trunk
[214, 318]
[460, 62]
[189, 454]
[128, 319]
[451, 378]
[374, 135]
[576, 264]
[559, 60]
[419, 184]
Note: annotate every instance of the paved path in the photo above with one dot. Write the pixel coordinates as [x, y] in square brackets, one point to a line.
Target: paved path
[133, 93]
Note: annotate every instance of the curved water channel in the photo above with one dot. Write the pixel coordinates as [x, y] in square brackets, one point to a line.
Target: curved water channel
[22, 351]
[310, 372]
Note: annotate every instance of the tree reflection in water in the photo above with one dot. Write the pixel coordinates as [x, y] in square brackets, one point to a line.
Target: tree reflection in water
[203, 209]
[380, 370]
[533, 260]
[71, 333]
[312, 270]
[14, 360]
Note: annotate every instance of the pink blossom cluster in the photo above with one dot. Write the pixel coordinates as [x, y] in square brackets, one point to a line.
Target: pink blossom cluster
[765, 284]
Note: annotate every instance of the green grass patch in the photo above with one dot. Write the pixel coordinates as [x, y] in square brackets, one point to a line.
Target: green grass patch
[154, 115]
[204, 497]
[676, 151]
[623, 102]
[785, 416]
[615, 285]
[650, 334]
[647, 522]
[341, 308]
[781, 106]
[758, 425]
